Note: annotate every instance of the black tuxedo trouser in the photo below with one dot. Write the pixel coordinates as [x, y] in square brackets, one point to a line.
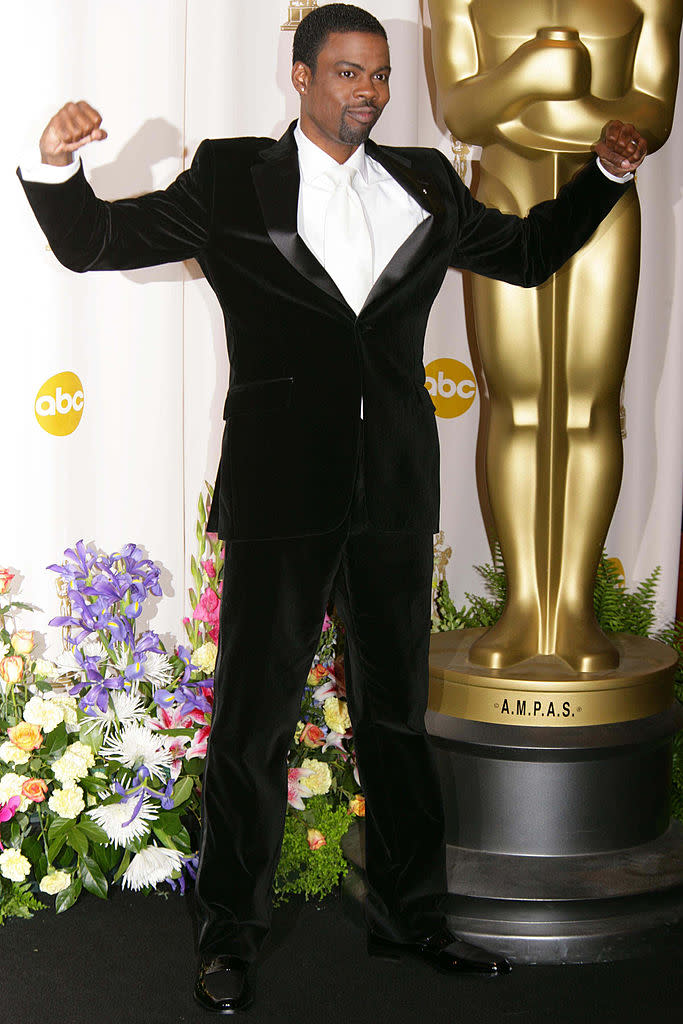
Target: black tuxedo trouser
[274, 598]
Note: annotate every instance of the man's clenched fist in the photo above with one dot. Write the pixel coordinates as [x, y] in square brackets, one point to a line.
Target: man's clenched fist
[71, 127]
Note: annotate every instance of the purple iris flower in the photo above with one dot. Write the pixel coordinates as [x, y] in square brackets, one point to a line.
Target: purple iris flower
[185, 654]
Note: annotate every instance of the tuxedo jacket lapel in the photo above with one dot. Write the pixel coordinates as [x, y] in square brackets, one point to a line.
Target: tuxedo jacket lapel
[276, 180]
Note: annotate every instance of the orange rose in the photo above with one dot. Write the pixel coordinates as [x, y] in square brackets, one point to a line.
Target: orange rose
[317, 674]
[26, 736]
[5, 580]
[12, 669]
[312, 736]
[22, 641]
[35, 790]
[315, 839]
[357, 805]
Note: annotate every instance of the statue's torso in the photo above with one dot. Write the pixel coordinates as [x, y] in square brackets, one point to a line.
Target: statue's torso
[609, 29]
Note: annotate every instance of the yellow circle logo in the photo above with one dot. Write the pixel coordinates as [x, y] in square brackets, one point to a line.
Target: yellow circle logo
[451, 385]
[59, 404]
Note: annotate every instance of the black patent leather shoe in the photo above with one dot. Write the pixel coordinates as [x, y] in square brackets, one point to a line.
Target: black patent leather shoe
[444, 951]
[222, 984]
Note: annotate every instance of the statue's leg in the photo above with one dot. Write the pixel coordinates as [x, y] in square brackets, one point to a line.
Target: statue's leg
[508, 324]
[596, 293]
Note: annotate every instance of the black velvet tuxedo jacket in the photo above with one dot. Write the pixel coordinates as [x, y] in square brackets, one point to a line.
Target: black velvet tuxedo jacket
[300, 358]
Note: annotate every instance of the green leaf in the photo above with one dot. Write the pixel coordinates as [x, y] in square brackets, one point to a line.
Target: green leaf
[93, 879]
[107, 857]
[93, 831]
[91, 737]
[32, 848]
[55, 848]
[77, 840]
[67, 897]
[60, 827]
[55, 741]
[122, 866]
[182, 790]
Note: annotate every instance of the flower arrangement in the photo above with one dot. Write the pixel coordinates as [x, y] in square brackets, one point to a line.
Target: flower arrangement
[102, 750]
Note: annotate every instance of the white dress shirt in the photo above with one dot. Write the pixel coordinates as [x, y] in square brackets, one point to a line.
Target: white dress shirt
[391, 213]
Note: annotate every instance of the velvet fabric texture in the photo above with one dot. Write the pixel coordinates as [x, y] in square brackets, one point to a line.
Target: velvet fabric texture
[291, 336]
[274, 598]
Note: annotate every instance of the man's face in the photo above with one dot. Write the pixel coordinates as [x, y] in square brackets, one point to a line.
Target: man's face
[345, 96]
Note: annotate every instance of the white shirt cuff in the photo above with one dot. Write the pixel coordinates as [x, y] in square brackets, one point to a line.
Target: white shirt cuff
[47, 174]
[614, 177]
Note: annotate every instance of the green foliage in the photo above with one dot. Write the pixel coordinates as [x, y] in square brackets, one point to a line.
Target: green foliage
[483, 610]
[312, 872]
[17, 900]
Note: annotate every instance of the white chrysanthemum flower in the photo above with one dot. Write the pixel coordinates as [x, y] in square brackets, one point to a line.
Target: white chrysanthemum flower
[67, 803]
[319, 778]
[204, 657]
[115, 820]
[54, 881]
[66, 664]
[44, 713]
[138, 747]
[14, 866]
[158, 669]
[150, 866]
[124, 708]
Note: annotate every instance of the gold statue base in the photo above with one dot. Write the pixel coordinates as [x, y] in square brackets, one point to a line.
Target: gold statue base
[544, 691]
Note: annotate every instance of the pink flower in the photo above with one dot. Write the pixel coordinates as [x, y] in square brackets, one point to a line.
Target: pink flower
[208, 607]
[294, 788]
[335, 739]
[197, 747]
[209, 568]
[5, 580]
[315, 839]
[312, 736]
[327, 622]
[8, 810]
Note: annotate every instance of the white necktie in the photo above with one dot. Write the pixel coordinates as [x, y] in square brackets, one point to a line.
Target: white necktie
[347, 243]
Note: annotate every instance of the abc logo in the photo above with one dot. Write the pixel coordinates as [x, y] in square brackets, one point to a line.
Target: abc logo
[59, 404]
[451, 385]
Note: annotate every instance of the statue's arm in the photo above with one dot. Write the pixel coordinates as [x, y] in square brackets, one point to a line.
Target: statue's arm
[475, 102]
[649, 102]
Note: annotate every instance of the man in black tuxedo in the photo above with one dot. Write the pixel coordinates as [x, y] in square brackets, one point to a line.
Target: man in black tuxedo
[326, 279]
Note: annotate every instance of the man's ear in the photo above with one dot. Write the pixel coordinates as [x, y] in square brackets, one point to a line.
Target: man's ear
[301, 77]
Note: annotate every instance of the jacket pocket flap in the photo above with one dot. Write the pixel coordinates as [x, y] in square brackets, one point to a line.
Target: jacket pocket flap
[259, 396]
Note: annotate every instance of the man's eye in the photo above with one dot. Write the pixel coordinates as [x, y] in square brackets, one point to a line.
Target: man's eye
[346, 73]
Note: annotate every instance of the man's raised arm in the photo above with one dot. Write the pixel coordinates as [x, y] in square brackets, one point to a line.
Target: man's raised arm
[87, 233]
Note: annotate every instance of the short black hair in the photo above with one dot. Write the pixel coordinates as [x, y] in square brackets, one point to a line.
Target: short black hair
[312, 32]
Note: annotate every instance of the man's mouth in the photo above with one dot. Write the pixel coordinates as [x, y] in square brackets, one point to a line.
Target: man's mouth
[364, 115]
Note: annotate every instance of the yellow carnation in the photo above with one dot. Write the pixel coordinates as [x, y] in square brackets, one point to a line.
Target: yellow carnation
[205, 657]
[68, 704]
[11, 785]
[67, 803]
[320, 779]
[12, 754]
[54, 881]
[337, 715]
[14, 866]
[74, 763]
[44, 713]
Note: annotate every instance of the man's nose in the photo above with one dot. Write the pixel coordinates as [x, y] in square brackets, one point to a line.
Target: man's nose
[366, 88]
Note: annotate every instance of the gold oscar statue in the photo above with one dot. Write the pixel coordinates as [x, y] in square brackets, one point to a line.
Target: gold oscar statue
[533, 82]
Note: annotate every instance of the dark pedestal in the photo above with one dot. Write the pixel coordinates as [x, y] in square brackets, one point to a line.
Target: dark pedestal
[559, 843]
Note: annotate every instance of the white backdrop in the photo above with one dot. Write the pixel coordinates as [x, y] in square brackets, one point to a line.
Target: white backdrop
[148, 346]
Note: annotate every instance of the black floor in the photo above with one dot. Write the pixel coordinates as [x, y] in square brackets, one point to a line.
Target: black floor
[131, 960]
